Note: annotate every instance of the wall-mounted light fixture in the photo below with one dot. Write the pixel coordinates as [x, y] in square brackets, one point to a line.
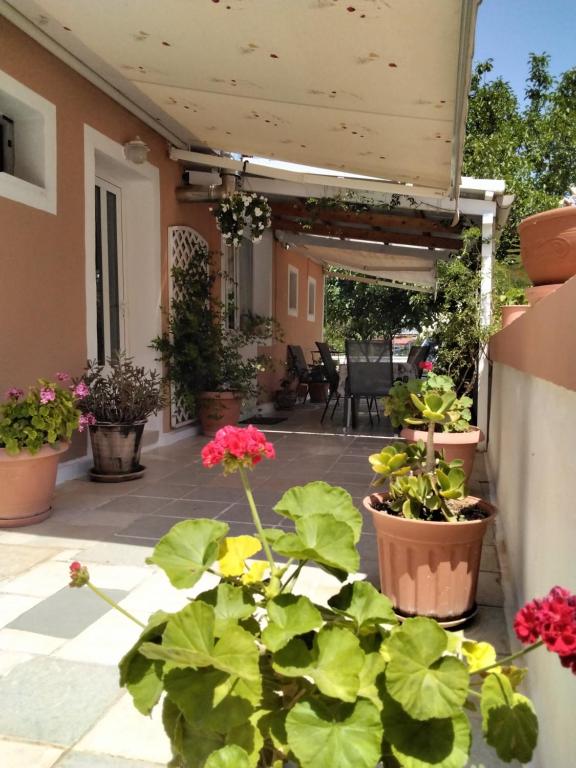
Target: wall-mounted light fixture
[136, 151]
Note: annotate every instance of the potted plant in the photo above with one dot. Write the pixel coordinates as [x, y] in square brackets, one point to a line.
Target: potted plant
[251, 673]
[205, 358]
[429, 531]
[242, 214]
[35, 430]
[548, 243]
[454, 435]
[117, 400]
[512, 304]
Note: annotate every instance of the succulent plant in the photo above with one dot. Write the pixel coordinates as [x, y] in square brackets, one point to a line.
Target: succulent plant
[405, 403]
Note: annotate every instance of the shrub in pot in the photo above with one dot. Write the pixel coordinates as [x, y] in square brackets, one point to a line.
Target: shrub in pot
[454, 435]
[35, 430]
[513, 304]
[251, 674]
[205, 358]
[117, 401]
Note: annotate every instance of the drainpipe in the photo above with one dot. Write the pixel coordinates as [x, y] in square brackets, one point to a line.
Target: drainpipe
[486, 269]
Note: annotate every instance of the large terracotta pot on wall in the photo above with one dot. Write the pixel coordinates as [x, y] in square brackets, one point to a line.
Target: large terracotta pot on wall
[428, 568]
[455, 445]
[217, 410]
[548, 245]
[27, 485]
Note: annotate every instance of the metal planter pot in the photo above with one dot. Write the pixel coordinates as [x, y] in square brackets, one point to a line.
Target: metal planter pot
[116, 451]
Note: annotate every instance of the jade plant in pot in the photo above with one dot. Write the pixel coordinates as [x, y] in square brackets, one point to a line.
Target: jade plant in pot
[253, 673]
[454, 435]
[429, 531]
[35, 430]
[117, 400]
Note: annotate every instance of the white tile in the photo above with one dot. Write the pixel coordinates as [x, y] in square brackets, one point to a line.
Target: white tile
[17, 754]
[28, 642]
[12, 606]
[11, 659]
[124, 732]
[126, 577]
[104, 642]
[42, 581]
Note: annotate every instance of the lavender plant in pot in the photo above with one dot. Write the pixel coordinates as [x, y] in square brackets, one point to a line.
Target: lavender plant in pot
[252, 673]
[117, 401]
[429, 531]
[454, 435]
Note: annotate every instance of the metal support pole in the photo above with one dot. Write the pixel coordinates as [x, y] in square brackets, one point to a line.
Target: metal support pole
[486, 270]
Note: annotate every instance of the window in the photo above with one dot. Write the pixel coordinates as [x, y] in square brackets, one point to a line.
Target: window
[27, 146]
[311, 298]
[239, 284]
[293, 275]
[109, 277]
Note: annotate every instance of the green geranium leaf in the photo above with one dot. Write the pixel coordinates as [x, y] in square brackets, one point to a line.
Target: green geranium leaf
[189, 641]
[343, 735]
[140, 675]
[334, 663]
[289, 616]
[374, 665]
[230, 604]
[442, 743]
[322, 539]
[231, 756]
[363, 603]
[509, 722]
[188, 549]
[319, 497]
[426, 684]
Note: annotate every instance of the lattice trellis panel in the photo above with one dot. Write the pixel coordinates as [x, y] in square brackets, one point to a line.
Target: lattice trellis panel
[181, 245]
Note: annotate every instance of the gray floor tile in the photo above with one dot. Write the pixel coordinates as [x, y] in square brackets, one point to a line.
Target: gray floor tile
[66, 613]
[134, 503]
[189, 508]
[149, 528]
[490, 589]
[55, 701]
[216, 493]
[163, 490]
[88, 760]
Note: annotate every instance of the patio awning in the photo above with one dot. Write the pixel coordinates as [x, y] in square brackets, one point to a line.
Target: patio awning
[370, 87]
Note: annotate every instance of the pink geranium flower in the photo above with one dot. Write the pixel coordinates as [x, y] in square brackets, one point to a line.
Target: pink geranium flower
[86, 420]
[236, 447]
[81, 390]
[63, 376]
[14, 393]
[47, 395]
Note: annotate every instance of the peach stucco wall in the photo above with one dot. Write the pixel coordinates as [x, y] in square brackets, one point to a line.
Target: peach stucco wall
[42, 297]
[297, 330]
[541, 342]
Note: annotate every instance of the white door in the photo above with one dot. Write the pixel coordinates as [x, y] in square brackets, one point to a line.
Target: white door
[109, 270]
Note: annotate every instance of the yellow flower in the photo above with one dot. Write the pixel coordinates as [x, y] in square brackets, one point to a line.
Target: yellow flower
[233, 552]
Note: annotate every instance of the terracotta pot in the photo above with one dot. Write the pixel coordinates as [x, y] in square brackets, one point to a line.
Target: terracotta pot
[455, 445]
[27, 485]
[318, 391]
[116, 449]
[538, 292]
[511, 312]
[548, 245]
[427, 568]
[217, 410]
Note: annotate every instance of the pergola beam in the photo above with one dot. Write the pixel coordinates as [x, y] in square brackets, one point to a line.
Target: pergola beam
[392, 221]
[313, 241]
[379, 281]
[357, 233]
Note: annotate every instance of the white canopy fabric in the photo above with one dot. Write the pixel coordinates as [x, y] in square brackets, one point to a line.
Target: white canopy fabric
[374, 87]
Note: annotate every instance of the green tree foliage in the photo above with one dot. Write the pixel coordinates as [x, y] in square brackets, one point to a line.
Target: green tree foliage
[368, 311]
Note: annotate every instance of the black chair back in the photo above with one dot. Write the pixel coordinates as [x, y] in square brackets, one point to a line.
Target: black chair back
[297, 362]
[330, 370]
[369, 367]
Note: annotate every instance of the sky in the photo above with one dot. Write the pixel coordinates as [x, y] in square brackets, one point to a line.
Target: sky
[508, 30]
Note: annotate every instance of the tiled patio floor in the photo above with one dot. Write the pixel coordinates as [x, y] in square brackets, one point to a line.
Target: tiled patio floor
[59, 647]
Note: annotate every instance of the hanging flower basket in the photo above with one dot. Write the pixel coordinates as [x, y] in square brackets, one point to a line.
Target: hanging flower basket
[243, 215]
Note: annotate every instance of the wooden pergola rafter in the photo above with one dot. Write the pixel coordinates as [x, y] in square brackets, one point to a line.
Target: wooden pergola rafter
[388, 228]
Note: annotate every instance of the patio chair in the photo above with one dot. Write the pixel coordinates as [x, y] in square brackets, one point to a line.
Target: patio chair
[370, 373]
[299, 367]
[332, 376]
[417, 355]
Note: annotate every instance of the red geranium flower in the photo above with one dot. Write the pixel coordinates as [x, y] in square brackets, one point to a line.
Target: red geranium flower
[236, 447]
[425, 365]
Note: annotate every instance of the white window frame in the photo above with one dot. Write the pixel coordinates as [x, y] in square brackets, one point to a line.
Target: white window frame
[293, 310]
[34, 180]
[311, 284]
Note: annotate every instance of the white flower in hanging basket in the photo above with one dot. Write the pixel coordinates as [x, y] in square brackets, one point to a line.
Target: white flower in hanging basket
[242, 213]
